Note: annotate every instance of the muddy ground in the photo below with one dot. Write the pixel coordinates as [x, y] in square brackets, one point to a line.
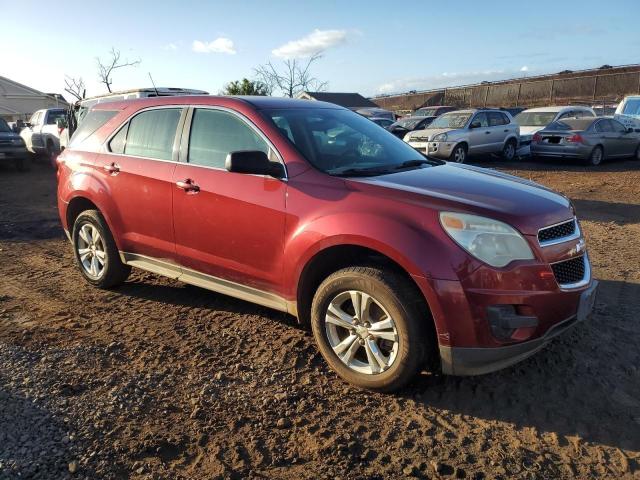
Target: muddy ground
[158, 379]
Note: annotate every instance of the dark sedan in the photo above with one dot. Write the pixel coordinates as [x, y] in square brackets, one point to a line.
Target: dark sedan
[409, 124]
[591, 139]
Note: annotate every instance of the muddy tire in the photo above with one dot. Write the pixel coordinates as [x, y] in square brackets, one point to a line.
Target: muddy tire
[370, 327]
[459, 154]
[595, 157]
[95, 251]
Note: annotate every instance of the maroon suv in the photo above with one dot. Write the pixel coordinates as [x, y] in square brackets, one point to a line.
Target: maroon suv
[398, 262]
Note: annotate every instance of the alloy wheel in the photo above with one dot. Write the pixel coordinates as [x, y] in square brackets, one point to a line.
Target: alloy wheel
[509, 151]
[361, 332]
[91, 250]
[459, 155]
[596, 156]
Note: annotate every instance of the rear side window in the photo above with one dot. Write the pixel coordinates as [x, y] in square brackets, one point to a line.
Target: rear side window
[92, 121]
[215, 133]
[497, 118]
[584, 114]
[54, 115]
[151, 134]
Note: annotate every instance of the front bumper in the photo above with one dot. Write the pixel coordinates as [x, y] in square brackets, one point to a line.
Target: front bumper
[440, 150]
[477, 361]
[13, 153]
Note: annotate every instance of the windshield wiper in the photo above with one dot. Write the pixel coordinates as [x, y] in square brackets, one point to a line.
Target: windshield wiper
[412, 163]
[361, 172]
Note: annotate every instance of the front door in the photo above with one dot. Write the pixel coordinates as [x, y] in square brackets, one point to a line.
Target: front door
[626, 142]
[227, 225]
[137, 171]
[480, 135]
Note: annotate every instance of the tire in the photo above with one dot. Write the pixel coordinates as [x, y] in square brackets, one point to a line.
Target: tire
[636, 156]
[509, 150]
[459, 154]
[391, 296]
[595, 157]
[104, 269]
[51, 153]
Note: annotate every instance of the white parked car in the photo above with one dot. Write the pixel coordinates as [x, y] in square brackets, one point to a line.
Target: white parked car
[42, 135]
[628, 112]
[535, 119]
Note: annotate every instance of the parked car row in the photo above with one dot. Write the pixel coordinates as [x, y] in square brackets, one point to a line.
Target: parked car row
[556, 132]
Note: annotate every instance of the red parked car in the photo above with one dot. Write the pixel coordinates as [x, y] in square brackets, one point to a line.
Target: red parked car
[398, 262]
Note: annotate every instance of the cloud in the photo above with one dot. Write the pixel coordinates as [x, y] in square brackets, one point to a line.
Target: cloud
[219, 45]
[524, 69]
[445, 79]
[316, 42]
[171, 46]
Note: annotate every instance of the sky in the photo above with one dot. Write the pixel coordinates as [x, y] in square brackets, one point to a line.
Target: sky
[371, 47]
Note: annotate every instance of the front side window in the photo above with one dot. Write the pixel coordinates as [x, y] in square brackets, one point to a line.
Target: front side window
[617, 126]
[215, 133]
[152, 133]
[584, 114]
[632, 107]
[480, 120]
[340, 142]
[35, 118]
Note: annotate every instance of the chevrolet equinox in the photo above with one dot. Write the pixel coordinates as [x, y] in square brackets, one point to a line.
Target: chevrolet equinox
[398, 262]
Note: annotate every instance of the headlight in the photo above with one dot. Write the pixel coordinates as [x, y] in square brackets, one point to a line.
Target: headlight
[491, 241]
[17, 141]
[407, 137]
[441, 137]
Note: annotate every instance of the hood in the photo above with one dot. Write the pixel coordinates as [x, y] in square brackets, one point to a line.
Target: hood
[8, 135]
[428, 133]
[523, 204]
[529, 130]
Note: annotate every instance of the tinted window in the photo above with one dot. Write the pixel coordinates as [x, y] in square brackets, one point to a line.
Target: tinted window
[617, 126]
[215, 133]
[151, 133]
[497, 118]
[480, 118]
[118, 142]
[604, 126]
[54, 115]
[93, 120]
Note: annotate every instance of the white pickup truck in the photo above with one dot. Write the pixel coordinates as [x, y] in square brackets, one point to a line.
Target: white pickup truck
[628, 112]
[42, 134]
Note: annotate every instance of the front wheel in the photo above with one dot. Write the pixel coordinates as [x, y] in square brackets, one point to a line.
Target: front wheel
[459, 154]
[369, 328]
[96, 252]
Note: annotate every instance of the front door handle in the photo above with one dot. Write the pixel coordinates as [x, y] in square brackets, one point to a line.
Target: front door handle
[188, 185]
[487, 133]
[506, 131]
[112, 168]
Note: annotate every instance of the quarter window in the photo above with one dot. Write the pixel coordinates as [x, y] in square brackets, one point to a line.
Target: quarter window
[152, 133]
[215, 133]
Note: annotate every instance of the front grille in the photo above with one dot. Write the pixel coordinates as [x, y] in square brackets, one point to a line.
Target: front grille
[569, 271]
[555, 232]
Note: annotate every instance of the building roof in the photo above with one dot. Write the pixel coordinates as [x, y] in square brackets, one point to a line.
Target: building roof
[347, 100]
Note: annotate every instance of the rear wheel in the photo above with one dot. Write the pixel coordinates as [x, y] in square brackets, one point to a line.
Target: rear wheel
[596, 156]
[369, 328]
[459, 154]
[509, 150]
[96, 252]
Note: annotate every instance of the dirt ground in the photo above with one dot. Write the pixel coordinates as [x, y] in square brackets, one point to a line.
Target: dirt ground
[158, 379]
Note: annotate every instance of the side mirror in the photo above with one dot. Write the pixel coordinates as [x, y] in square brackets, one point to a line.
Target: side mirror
[253, 162]
[475, 124]
[629, 130]
[28, 125]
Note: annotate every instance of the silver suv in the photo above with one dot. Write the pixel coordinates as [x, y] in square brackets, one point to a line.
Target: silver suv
[456, 135]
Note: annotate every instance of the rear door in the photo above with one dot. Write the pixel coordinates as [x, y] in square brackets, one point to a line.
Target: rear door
[499, 126]
[228, 226]
[137, 172]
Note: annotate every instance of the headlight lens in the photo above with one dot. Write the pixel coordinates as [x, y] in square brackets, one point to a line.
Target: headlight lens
[441, 137]
[407, 137]
[491, 241]
[17, 141]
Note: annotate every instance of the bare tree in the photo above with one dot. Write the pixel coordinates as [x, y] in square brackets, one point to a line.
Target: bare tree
[105, 70]
[75, 86]
[292, 77]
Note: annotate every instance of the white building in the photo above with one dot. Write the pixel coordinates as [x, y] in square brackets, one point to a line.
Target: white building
[18, 101]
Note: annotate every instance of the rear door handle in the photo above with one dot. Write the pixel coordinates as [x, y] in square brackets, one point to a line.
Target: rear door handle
[188, 185]
[506, 131]
[112, 168]
[487, 133]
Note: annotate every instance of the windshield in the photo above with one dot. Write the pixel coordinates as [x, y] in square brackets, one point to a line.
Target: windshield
[340, 142]
[54, 115]
[426, 112]
[408, 123]
[632, 107]
[451, 120]
[4, 126]
[535, 119]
